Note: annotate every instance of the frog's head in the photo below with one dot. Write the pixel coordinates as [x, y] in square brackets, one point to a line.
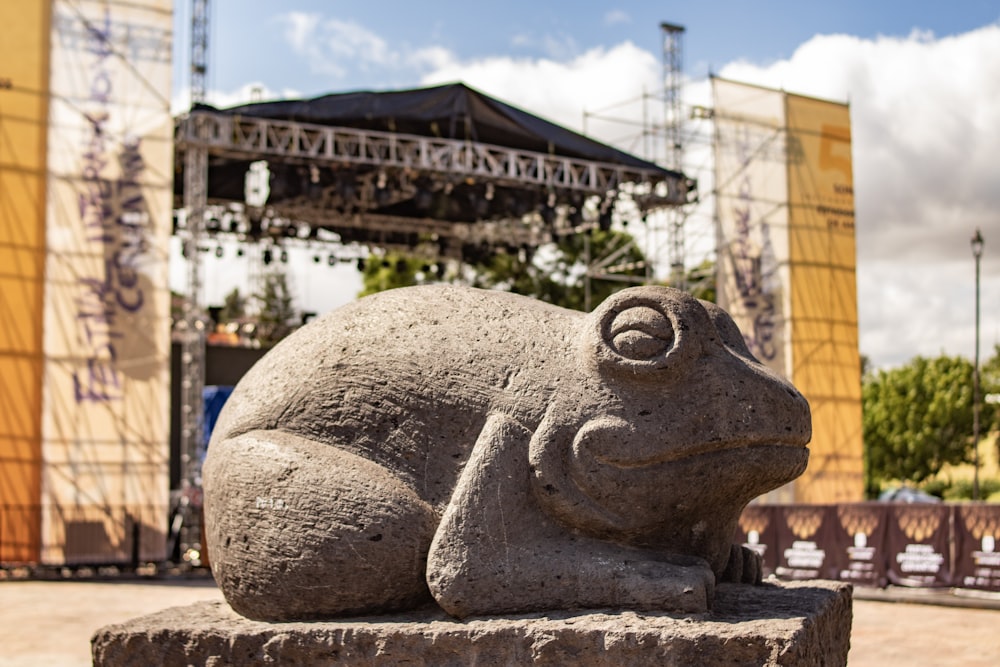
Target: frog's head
[672, 429]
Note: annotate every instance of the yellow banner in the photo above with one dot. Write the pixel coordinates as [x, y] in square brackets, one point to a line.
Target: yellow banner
[24, 70]
[824, 308]
[786, 264]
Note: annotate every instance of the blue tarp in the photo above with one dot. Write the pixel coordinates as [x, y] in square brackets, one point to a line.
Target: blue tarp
[213, 398]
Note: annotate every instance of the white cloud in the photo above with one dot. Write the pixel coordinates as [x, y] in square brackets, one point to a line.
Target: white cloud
[617, 16]
[560, 90]
[334, 47]
[299, 29]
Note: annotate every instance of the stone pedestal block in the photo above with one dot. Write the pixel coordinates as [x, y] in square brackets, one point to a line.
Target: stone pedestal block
[802, 623]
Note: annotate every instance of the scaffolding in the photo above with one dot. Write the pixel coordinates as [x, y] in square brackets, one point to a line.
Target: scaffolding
[673, 131]
[193, 334]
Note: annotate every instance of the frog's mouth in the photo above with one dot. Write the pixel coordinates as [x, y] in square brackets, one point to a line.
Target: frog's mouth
[612, 441]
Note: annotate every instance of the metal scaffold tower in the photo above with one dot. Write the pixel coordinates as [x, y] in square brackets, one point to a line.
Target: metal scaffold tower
[193, 333]
[673, 128]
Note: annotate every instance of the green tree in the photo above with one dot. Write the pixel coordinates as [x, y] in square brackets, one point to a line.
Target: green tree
[701, 281]
[391, 271]
[234, 306]
[556, 273]
[278, 316]
[989, 380]
[917, 418]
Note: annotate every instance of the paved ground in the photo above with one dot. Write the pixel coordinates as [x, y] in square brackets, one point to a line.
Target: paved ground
[49, 623]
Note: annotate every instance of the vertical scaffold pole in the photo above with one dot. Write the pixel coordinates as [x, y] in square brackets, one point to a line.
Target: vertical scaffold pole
[673, 127]
[195, 138]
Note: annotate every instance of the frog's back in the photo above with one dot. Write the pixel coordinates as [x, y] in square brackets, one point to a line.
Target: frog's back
[406, 376]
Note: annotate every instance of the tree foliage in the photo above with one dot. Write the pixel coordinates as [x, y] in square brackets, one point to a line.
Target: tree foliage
[701, 281]
[278, 316]
[555, 273]
[391, 271]
[917, 418]
[989, 378]
[234, 306]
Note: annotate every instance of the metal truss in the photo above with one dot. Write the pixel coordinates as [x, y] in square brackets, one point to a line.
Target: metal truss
[263, 138]
[672, 79]
[193, 351]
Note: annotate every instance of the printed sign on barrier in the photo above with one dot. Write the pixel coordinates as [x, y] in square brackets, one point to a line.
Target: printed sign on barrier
[756, 532]
[859, 551]
[804, 540]
[917, 538]
[977, 554]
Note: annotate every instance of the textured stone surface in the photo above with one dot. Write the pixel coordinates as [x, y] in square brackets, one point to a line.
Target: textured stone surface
[498, 454]
[803, 623]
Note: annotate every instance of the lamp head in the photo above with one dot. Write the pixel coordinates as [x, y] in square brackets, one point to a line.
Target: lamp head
[977, 243]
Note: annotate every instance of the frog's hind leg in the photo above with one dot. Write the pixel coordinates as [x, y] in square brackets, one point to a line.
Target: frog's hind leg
[299, 529]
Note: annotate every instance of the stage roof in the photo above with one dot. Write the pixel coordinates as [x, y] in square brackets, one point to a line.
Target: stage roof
[451, 111]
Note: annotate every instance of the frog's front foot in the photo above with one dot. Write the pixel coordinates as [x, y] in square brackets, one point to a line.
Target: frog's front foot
[745, 566]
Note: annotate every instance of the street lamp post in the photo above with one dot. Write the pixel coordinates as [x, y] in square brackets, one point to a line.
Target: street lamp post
[977, 252]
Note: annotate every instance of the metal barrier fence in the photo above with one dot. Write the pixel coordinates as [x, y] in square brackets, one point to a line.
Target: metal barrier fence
[82, 535]
[876, 544]
[868, 544]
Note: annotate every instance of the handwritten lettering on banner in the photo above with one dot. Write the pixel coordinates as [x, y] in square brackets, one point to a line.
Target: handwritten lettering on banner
[112, 213]
[754, 266]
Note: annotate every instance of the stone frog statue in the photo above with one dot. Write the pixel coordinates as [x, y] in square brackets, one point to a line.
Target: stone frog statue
[497, 454]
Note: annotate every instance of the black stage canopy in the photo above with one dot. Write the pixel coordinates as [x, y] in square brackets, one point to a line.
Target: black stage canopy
[451, 111]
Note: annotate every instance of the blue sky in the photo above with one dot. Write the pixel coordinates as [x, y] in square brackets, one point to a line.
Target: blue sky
[922, 79]
[249, 39]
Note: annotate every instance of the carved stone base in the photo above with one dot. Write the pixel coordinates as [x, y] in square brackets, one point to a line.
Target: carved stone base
[802, 623]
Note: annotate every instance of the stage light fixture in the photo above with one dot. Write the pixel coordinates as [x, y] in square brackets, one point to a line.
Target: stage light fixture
[481, 207]
[604, 220]
[548, 214]
[423, 199]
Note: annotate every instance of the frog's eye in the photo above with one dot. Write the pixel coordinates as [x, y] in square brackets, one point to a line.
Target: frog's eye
[641, 333]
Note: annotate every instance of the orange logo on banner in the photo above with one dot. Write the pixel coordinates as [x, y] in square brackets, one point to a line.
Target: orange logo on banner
[857, 519]
[833, 137]
[918, 523]
[980, 522]
[753, 520]
[804, 522]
